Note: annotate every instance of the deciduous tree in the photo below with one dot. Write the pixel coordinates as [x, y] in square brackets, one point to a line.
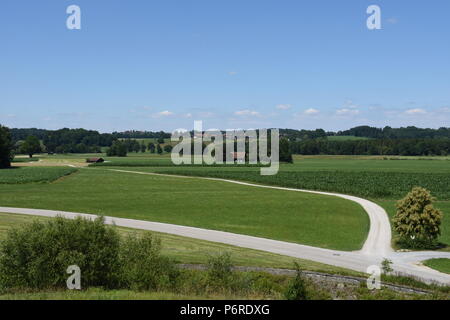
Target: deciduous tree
[31, 146]
[416, 220]
[151, 147]
[117, 149]
[6, 147]
[285, 151]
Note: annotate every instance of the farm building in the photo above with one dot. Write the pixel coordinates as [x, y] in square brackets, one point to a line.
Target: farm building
[95, 160]
[238, 157]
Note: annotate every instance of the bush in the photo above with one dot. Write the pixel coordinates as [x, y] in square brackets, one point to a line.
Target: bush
[220, 270]
[37, 255]
[143, 267]
[386, 266]
[168, 148]
[417, 221]
[296, 289]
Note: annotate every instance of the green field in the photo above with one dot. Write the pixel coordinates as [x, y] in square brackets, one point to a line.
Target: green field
[442, 265]
[382, 179]
[384, 185]
[370, 177]
[24, 159]
[322, 221]
[33, 174]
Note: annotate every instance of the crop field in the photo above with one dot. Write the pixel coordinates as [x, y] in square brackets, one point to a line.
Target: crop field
[33, 174]
[385, 185]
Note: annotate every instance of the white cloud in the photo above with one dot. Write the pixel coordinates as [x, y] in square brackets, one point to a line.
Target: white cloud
[232, 73]
[311, 111]
[415, 111]
[244, 113]
[347, 112]
[350, 104]
[392, 20]
[283, 106]
[165, 113]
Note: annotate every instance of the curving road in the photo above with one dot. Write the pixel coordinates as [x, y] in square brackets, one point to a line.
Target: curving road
[375, 249]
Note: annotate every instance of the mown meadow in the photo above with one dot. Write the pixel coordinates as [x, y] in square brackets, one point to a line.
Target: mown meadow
[442, 265]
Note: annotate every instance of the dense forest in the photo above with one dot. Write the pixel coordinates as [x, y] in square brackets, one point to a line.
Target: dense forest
[80, 140]
[402, 147]
[396, 133]
[377, 141]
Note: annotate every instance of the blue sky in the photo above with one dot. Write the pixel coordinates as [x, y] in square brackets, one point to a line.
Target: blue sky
[160, 65]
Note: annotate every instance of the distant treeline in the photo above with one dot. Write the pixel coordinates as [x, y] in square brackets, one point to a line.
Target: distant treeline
[369, 132]
[65, 140]
[396, 133]
[79, 140]
[403, 147]
[132, 134]
[381, 141]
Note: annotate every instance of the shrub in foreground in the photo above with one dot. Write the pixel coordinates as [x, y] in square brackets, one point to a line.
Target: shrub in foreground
[220, 269]
[37, 255]
[142, 265]
[297, 289]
